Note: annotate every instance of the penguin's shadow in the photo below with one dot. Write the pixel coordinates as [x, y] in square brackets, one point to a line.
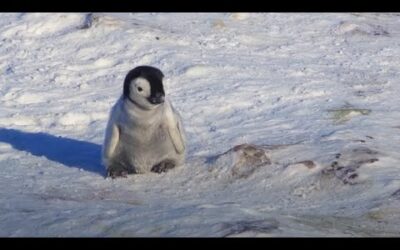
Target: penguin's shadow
[69, 152]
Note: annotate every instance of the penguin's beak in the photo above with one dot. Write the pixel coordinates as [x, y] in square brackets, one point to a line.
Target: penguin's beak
[157, 99]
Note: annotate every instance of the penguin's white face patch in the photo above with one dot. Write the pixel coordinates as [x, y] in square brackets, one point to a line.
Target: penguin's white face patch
[139, 92]
[140, 87]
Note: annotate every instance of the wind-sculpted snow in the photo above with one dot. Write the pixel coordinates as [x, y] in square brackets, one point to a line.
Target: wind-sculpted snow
[292, 124]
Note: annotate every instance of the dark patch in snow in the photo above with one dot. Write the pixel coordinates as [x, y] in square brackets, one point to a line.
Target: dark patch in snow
[346, 164]
[88, 21]
[259, 226]
[309, 164]
[396, 194]
[360, 28]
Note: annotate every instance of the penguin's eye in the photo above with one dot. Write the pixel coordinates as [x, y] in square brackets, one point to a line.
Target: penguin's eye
[139, 89]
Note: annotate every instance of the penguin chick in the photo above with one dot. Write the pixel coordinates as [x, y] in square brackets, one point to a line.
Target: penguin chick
[144, 132]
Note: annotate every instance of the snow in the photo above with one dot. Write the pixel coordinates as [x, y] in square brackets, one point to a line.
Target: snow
[316, 93]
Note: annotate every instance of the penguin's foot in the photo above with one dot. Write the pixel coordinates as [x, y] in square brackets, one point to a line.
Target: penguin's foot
[163, 166]
[117, 173]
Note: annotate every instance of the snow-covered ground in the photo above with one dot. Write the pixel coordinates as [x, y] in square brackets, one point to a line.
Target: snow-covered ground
[318, 92]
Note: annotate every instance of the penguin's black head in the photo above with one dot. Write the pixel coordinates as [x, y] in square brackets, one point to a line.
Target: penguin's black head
[143, 86]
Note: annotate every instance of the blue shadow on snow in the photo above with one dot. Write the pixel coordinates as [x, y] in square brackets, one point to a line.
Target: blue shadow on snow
[69, 152]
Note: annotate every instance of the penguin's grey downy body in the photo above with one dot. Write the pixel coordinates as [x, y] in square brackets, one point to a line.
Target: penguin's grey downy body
[144, 132]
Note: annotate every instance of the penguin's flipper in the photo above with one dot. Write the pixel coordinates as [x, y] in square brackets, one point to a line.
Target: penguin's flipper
[175, 130]
[110, 141]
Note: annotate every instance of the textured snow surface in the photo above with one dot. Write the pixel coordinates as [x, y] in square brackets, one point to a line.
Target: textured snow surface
[313, 97]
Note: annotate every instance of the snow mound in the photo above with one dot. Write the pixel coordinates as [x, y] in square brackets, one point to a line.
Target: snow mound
[240, 162]
[72, 118]
[199, 70]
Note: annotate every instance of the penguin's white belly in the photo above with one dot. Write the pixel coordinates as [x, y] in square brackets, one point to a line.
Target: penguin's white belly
[143, 148]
